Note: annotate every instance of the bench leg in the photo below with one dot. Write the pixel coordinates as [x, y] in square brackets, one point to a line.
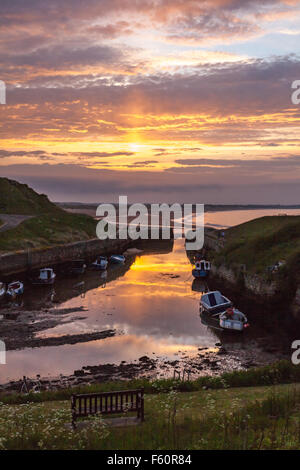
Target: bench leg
[73, 424]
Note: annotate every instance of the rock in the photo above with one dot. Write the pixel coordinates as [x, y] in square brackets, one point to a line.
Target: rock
[145, 359]
[222, 351]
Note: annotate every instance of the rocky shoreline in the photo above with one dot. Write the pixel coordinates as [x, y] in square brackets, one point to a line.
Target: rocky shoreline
[209, 362]
[20, 328]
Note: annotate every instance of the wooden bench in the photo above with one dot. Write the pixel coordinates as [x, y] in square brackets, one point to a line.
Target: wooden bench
[105, 403]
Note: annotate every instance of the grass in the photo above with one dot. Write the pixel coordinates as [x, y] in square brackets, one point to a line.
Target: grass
[240, 418]
[17, 198]
[262, 242]
[48, 230]
[50, 226]
[281, 372]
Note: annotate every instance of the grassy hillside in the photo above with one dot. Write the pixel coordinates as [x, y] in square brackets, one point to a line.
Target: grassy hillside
[262, 242]
[48, 230]
[17, 198]
[50, 226]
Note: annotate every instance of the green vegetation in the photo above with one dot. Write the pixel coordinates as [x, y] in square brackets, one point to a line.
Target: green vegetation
[226, 412]
[48, 230]
[17, 198]
[261, 243]
[281, 372]
[50, 225]
[247, 418]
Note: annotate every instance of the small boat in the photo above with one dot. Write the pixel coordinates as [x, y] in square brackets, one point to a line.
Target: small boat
[117, 259]
[76, 267]
[2, 290]
[46, 277]
[100, 263]
[202, 269]
[233, 319]
[214, 302]
[15, 288]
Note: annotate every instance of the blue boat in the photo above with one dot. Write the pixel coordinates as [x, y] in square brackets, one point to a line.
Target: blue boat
[202, 269]
[117, 259]
[100, 263]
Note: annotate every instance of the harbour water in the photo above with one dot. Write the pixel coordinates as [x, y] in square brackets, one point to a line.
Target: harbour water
[150, 302]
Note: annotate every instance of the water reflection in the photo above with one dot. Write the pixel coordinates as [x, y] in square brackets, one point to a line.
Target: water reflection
[153, 303]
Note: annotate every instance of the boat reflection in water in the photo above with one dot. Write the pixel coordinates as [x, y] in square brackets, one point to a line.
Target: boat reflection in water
[199, 285]
[151, 303]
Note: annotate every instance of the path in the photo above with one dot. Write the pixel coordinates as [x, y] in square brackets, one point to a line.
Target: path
[12, 221]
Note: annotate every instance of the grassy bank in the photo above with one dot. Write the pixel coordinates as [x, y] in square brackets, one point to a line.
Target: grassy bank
[240, 418]
[50, 224]
[17, 198]
[281, 372]
[47, 230]
[260, 244]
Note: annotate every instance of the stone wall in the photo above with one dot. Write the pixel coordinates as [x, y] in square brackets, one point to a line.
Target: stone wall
[21, 261]
[296, 304]
[254, 283]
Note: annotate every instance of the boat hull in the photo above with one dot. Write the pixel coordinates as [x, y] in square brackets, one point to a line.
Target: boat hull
[238, 323]
[117, 259]
[2, 293]
[200, 274]
[99, 267]
[14, 289]
[43, 282]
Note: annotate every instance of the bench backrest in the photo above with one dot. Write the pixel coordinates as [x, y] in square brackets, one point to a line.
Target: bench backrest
[107, 402]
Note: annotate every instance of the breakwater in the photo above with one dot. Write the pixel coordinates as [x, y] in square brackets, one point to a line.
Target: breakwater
[26, 260]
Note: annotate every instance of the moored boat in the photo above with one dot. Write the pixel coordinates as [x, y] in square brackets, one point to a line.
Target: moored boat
[233, 319]
[214, 302]
[202, 269]
[15, 288]
[46, 277]
[100, 263]
[2, 290]
[117, 259]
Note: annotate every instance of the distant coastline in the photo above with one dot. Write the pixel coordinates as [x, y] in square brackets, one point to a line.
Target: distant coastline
[90, 208]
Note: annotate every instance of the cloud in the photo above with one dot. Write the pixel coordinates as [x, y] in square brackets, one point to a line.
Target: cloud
[102, 154]
[202, 185]
[244, 102]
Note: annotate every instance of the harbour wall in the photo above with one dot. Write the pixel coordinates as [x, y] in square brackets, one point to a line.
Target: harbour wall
[26, 260]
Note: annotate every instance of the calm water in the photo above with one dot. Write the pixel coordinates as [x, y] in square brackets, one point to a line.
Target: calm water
[150, 302]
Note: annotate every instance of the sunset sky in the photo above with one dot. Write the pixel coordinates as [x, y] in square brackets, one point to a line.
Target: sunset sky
[161, 100]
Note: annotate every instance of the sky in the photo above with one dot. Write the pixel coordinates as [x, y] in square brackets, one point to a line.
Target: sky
[161, 100]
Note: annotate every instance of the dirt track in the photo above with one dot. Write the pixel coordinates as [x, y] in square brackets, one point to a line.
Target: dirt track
[12, 221]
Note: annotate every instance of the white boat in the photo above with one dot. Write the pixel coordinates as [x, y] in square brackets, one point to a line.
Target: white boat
[2, 290]
[100, 263]
[202, 269]
[15, 288]
[233, 319]
[118, 259]
[46, 277]
[214, 302]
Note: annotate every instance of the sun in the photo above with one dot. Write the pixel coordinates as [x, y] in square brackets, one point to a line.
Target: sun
[134, 147]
